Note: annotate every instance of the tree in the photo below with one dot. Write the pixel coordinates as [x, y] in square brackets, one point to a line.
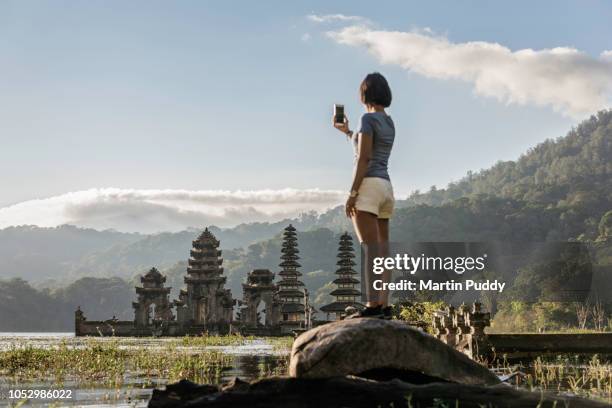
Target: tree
[605, 227]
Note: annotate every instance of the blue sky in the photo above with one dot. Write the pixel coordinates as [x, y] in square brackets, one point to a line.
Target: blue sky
[237, 95]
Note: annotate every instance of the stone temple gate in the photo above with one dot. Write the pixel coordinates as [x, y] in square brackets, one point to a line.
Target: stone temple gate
[260, 306]
[152, 295]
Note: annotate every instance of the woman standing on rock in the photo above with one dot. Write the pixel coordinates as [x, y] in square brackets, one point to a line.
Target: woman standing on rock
[370, 202]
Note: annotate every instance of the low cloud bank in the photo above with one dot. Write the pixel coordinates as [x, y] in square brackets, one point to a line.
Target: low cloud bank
[150, 211]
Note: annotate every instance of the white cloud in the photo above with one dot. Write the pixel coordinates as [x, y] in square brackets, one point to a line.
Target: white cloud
[333, 18]
[564, 78]
[166, 210]
[306, 37]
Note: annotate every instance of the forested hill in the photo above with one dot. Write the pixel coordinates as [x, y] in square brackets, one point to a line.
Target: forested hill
[570, 178]
[555, 172]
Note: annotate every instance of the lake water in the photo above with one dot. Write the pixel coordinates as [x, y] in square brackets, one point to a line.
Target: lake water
[249, 360]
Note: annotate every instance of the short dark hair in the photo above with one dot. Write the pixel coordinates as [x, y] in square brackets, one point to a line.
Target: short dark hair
[375, 90]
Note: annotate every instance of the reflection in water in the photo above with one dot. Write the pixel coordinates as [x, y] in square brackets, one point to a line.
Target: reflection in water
[252, 367]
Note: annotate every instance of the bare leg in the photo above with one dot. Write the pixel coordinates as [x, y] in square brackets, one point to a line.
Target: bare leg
[383, 245]
[366, 228]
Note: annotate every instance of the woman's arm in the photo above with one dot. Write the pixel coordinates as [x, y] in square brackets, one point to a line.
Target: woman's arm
[364, 154]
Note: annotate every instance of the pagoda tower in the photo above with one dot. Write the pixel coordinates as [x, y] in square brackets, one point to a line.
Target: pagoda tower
[346, 294]
[290, 293]
[209, 306]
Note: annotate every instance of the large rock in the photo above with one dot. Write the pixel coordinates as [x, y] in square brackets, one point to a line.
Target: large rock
[381, 350]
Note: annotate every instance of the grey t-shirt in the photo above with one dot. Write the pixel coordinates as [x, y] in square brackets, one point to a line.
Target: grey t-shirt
[380, 126]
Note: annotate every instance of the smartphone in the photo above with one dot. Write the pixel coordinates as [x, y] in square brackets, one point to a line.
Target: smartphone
[338, 113]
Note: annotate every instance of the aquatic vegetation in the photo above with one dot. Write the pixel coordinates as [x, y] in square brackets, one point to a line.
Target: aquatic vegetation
[281, 343]
[590, 378]
[204, 341]
[111, 361]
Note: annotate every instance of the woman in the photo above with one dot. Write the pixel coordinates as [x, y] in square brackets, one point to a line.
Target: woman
[370, 202]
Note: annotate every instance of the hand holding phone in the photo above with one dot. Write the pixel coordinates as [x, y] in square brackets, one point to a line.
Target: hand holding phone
[340, 120]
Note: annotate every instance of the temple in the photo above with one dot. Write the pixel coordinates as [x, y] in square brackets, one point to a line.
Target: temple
[346, 294]
[206, 306]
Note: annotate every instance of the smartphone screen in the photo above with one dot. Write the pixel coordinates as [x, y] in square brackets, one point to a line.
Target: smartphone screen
[338, 113]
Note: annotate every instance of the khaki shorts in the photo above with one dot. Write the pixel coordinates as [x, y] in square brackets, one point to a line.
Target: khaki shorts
[376, 197]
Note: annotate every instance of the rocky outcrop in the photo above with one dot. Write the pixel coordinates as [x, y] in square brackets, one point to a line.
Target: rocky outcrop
[382, 350]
